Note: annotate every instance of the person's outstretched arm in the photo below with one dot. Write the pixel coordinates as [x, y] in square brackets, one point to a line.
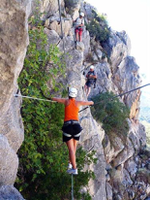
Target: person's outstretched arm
[85, 103]
[59, 100]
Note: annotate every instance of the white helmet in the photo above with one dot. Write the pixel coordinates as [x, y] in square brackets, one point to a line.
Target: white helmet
[82, 14]
[92, 67]
[72, 92]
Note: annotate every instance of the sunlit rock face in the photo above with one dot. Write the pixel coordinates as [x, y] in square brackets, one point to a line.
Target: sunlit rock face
[122, 168]
[13, 45]
[116, 166]
[10, 193]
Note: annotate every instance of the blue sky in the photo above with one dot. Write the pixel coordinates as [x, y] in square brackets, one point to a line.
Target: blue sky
[133, 16]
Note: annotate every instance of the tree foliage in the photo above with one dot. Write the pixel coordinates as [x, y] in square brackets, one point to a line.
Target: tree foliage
[111, 113]
[43, 157]
[98, 28]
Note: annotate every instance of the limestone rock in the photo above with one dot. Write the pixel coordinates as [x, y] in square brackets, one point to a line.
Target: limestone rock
[72, 5]
[88, 10]
[94, 143]
[51, 19]
[8, 164]
[118, 47]
[117, 174]
[10, 193]
[126, 78]
[143, 175]
[113, 148]
[68, 44]
[125, 154]
[47, 7]
[131, 167]
[11, 125]
[137, 134]
[53, 37]
[13, 44]
[146, 151]
[86, 42]
[109, 191]
[118, 72]
[127, 181]
[80, 46]
[66, 26]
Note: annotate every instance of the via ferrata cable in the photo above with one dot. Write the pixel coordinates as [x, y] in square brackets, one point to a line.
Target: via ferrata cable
[119, 95]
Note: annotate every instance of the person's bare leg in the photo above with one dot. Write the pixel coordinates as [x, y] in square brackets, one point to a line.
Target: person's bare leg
[77, 36]
[80, 38]
[88, 91]
[85, 89]
[72, 156]
[75, 142]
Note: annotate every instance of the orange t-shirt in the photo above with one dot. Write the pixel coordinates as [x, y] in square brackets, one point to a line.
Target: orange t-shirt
[71, 111]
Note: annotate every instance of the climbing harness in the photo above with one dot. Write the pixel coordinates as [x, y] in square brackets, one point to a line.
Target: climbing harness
[68, 135]
[66, 123]
[119, 95]
[34, 98]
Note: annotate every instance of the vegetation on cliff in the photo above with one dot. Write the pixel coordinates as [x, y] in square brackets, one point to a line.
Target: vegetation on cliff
[43, 156]
[111, 113]
[98, 27]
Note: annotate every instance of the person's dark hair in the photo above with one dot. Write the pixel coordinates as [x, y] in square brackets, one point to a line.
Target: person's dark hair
[71, 97]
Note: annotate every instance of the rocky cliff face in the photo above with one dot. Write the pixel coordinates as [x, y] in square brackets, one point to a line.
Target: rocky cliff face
[13, 44]
[122, 169]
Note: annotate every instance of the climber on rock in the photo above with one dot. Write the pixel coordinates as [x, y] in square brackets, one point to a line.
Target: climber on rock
[71, 128]
[91, 80]
[79, 24]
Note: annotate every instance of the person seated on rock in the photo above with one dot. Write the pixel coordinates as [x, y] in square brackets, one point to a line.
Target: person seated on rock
[71, 128]
[79, 24]
[91, 80]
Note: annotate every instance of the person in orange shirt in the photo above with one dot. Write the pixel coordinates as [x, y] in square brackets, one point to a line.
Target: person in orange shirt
[71, 128]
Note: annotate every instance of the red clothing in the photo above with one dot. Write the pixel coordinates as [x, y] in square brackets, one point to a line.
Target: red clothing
[79, 30]
[71, 111]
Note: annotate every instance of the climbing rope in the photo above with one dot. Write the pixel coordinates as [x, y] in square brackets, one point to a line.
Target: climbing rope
[62, 34]
[119, 95]
[34, 98]
[49, 100]
[72, 197]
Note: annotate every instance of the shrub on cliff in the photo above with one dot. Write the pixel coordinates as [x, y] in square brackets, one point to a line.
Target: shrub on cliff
[43, 156]
[98, 28]
[111, 113]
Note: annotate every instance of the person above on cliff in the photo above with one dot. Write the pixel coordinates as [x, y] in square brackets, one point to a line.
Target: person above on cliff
[91, 80]
[71, 128]
[79, 24]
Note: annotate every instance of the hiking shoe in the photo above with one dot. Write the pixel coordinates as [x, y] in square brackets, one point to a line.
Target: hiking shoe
[69, 166]
[72, 171]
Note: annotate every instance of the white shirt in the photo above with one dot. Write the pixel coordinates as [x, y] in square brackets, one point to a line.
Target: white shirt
[79, 21]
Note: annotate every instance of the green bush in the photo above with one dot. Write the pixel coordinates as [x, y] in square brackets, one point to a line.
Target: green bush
[111, 113]
[98, 28]
[43, 157]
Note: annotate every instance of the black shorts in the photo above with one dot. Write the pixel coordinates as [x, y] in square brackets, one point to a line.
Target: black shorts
[71, 131]
[89, 83]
